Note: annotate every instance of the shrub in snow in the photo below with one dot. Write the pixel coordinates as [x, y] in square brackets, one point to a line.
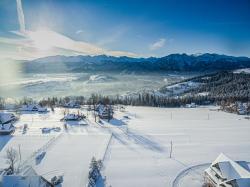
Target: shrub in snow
[57, 180]
[94, 172]
[91, 183]
[11, 160]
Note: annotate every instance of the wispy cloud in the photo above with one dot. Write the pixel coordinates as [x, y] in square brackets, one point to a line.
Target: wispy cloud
[33, 47]
[158, 44]
[20, 15]
[79, 31]
[41, 43]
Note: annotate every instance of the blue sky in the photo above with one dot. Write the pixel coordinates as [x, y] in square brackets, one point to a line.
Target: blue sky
[128, 27]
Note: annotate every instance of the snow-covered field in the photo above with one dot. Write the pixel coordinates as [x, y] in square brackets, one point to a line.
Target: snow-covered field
[67, 152]
[134, 146]
[28, 145]
[139, 153]
[70, 156]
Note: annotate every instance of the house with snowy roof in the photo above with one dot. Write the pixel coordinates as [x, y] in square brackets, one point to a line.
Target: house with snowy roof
[6, 129]
[73, 117]
[224, 172]
[6, 123]
[105, 111]
[25, 179]
[242, 108]
[7, 118]
[72, 104]
[29, 107]
[191, 105]
[33, 108]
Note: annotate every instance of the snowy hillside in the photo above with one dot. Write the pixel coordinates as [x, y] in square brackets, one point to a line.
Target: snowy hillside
[99, 79]
[244, 70]
[179, 88]
[223, 84]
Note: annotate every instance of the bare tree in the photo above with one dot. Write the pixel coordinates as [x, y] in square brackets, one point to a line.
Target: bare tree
[11, 158]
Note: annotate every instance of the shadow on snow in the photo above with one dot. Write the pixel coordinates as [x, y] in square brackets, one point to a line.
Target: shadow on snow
[142, 140]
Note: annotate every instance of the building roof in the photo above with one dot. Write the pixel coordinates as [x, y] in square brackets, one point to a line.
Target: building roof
[230, 171]
[72, 117]
[22, 181]
[28, 178]
[30, 107]
[72, 104]
[33, 107]
[6, 117]
[6, 127]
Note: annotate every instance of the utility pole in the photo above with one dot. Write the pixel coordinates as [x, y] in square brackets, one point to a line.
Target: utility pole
[19, 150]
[171, 149]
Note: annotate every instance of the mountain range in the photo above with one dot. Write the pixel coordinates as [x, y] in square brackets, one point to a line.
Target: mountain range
[175, 62]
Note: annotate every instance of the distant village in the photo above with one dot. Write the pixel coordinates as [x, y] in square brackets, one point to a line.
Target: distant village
[240, 108]
[9, 117]
[100, 110]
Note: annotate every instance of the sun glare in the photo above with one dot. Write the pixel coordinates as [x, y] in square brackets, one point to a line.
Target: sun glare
[42, 39]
